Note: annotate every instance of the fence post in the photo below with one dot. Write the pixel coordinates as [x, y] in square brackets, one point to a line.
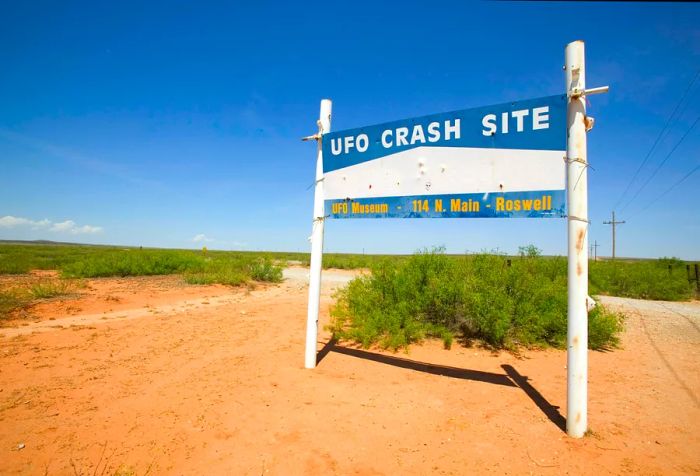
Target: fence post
[577, 274]
[324, 122]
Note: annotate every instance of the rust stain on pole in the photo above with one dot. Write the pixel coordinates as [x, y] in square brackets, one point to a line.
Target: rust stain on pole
[579, 239]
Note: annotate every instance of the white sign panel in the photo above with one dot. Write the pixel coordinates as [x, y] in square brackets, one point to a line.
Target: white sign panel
[505, 160]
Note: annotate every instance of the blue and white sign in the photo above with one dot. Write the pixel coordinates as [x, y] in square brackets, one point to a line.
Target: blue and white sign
[505, 160]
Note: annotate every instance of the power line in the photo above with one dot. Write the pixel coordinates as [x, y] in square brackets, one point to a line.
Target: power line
[658, 138]
[662, 163]
[685, 177]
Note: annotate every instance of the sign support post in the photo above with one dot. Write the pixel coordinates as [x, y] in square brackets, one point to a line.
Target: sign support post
[577, 277]
[324, 126]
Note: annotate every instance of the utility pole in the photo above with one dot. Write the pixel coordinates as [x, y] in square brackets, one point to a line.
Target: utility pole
[595, 248]
[614, 224]
[593, 252]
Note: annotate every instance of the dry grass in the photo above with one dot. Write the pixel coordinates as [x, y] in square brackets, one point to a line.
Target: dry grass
[23, 294]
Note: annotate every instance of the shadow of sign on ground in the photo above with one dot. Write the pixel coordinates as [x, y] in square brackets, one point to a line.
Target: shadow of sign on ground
[511, 377]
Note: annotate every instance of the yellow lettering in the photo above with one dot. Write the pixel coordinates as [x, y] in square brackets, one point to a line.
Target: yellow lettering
[371, 208]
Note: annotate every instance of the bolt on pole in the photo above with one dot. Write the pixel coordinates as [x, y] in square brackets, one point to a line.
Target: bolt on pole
[577, 277]
[324, 123]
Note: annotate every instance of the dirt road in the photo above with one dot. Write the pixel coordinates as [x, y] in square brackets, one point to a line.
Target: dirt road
[210, 380]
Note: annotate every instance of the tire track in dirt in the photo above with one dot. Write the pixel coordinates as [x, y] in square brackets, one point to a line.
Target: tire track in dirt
[687, 318]
[298, 275]
[64, 322]
[661, 354]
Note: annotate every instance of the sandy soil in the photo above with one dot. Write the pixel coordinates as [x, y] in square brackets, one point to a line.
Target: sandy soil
[219, 388]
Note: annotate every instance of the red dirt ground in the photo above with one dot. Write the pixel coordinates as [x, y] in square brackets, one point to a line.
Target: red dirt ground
[210, 380]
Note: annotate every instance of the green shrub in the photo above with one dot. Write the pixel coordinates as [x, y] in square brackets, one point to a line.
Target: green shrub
[11, 300]
[50, 288]
[265, 270]
[641, 279]
[22, 295]
[231, 277]
[234, 270]
[132, 262]
[604, 328]
[197, 267]
[478, 297]
[14, 265]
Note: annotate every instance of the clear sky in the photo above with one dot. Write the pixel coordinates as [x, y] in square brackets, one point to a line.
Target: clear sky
[178, 124]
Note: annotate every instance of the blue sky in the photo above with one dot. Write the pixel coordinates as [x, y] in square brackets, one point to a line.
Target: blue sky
[177, 124]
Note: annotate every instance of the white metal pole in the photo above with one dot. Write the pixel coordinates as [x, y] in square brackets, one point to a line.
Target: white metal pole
[577, 197]
[316, 242]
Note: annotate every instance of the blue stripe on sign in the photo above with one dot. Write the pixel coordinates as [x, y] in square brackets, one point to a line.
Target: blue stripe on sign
[531, 204]
[540, 130]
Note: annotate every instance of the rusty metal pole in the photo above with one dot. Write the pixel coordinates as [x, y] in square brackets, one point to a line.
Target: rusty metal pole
[577, 197]
[316, 242]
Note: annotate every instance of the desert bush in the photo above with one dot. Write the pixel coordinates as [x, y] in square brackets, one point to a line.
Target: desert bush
[21, 295]
[641, 279]
[264, 269]
[604, 328]
[19, 259]
[197, 267]
[50, 288]
[14, 265]
[230, 278]
[133, 262]
[478, 297]
[235, 270]
[11, 300]
[353, 261]
[394, 306]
